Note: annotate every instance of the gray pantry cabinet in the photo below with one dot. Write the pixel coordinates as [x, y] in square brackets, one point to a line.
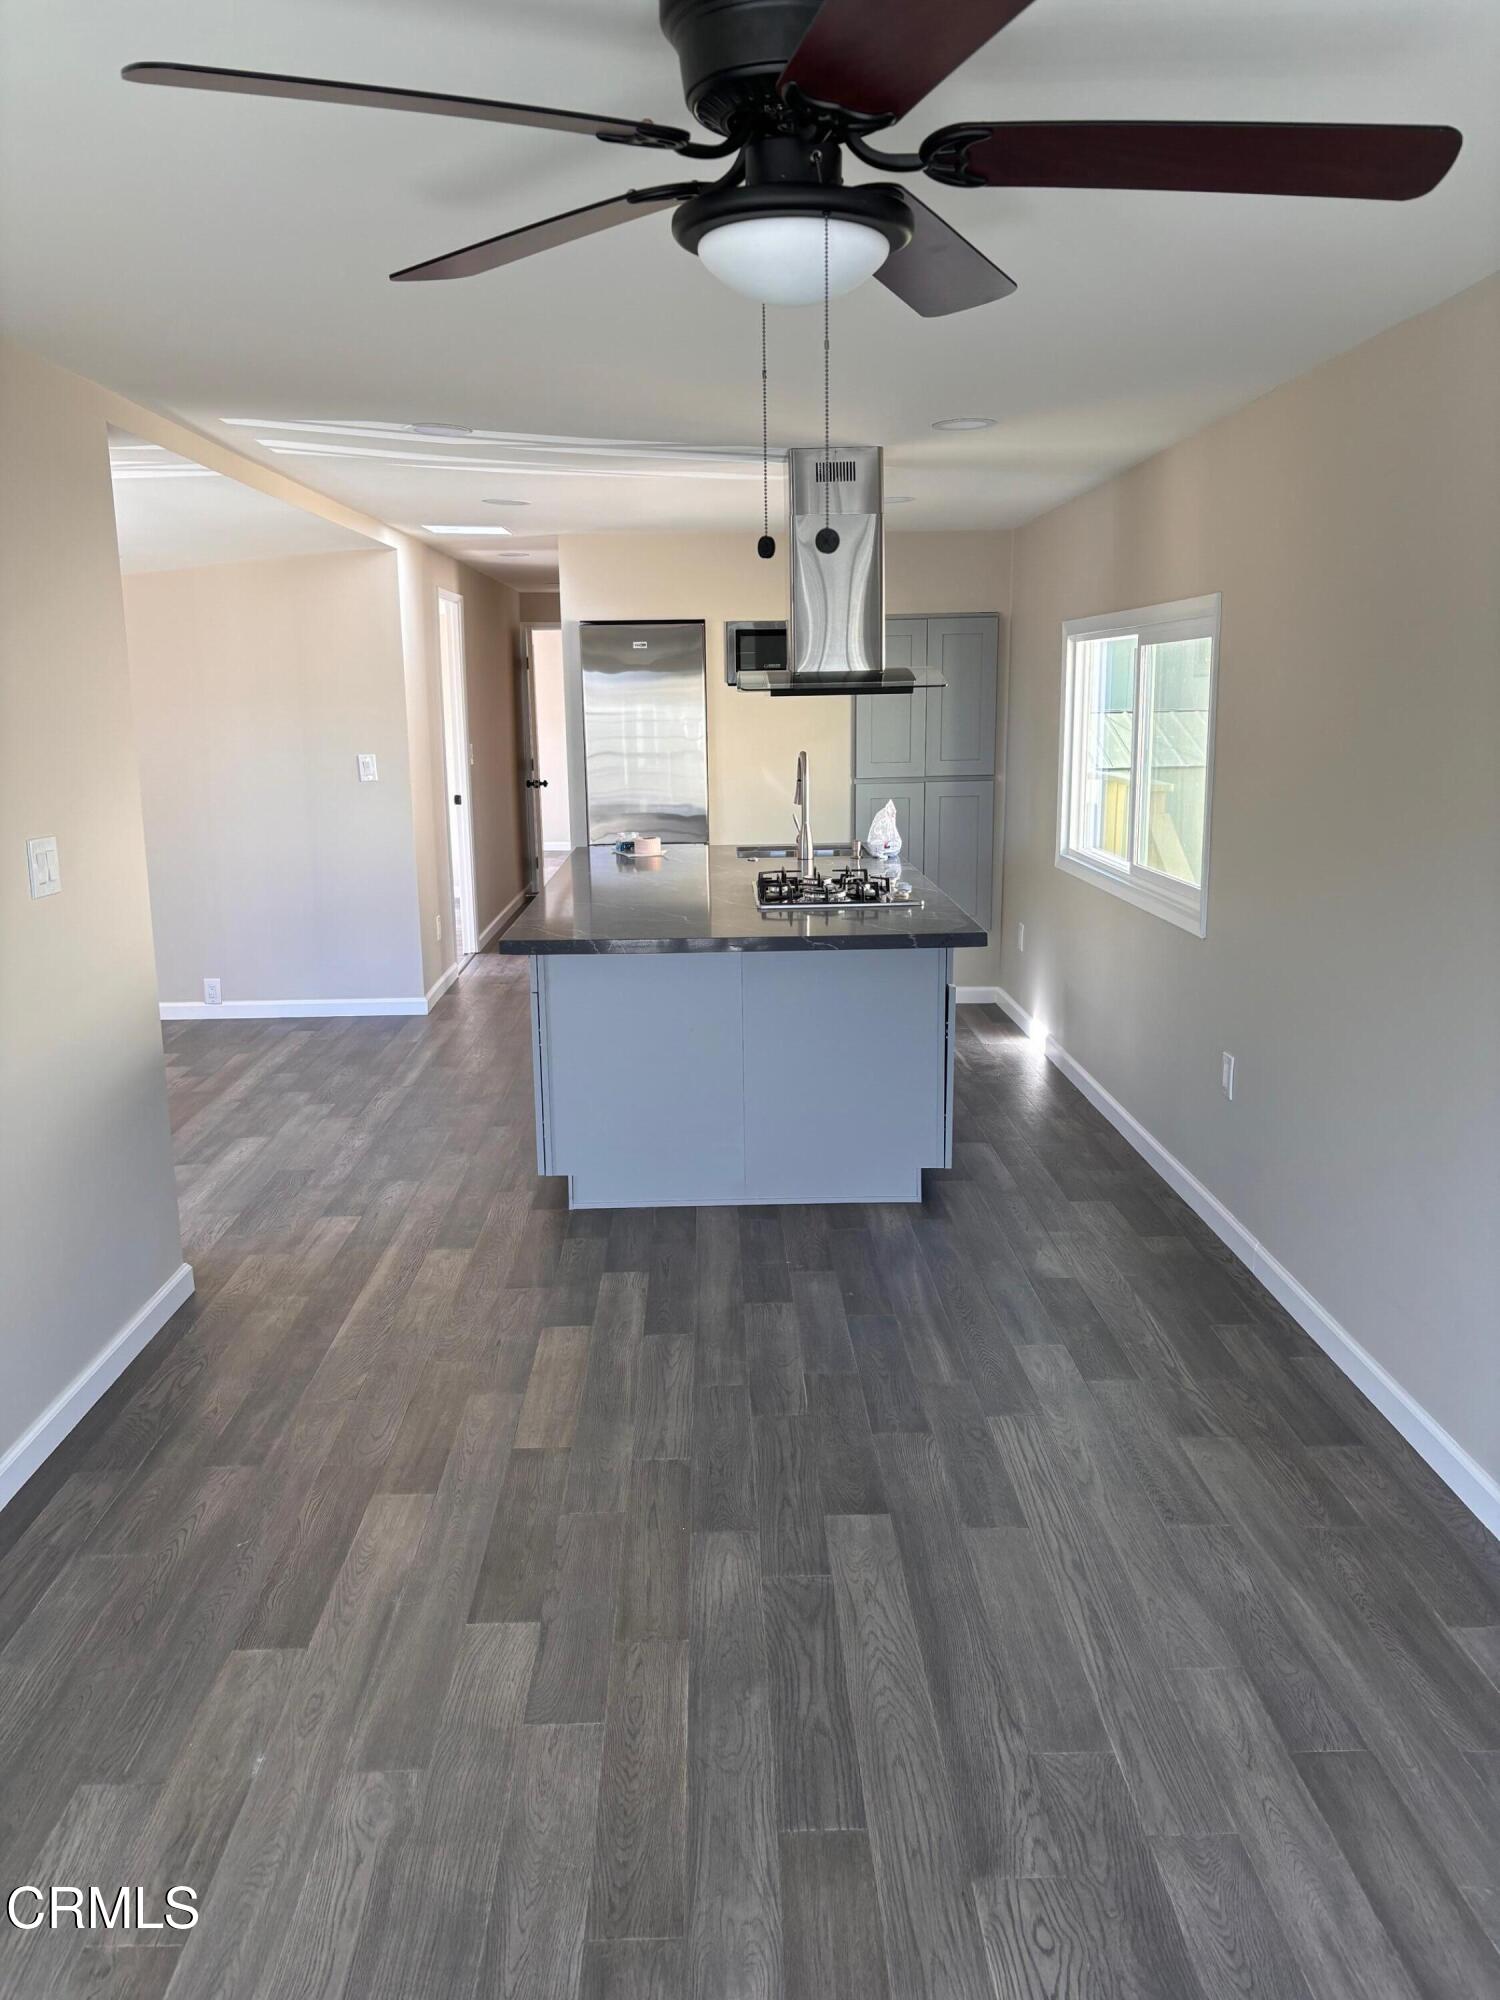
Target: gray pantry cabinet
[934, 754]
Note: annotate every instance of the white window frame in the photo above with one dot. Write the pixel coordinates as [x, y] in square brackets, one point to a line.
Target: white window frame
[1182, 903]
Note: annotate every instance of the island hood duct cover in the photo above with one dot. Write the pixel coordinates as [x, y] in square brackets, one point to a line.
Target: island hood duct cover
[836, 638]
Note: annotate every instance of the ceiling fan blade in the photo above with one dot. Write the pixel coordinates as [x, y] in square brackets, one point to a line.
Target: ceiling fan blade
[319, 90]
[1358, 162]
[514, 244]
[880, 57]
[940, 271]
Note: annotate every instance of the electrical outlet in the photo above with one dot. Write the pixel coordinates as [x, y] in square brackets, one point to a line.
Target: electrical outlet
[1226, 1074]
[437, 925]
[213, 993]
[369, 770]
[1020, 937]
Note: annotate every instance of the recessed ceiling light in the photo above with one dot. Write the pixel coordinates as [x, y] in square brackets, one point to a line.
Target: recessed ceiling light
[505, 503]
[438, 528]
[965, 423]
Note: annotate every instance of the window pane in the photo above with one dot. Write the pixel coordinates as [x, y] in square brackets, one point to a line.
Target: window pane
[1104, 677]
[1174, 689]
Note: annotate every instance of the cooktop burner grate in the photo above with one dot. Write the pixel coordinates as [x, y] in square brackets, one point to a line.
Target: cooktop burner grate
[842, 889]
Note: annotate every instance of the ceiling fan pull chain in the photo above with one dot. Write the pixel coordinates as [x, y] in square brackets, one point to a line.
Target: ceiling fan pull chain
[766, 546]
[826, 540]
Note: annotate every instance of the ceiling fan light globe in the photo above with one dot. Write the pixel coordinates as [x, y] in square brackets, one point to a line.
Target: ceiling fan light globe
[778, 259]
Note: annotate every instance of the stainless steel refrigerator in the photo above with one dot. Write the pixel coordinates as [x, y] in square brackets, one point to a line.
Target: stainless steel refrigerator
[645, 731]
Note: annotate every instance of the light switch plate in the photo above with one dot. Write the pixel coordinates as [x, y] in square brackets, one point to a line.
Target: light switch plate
[42, 867]
[368, 771]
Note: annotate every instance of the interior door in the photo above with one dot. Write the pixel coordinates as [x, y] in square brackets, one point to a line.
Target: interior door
[458, 761]
[531, 770]
[546, 773]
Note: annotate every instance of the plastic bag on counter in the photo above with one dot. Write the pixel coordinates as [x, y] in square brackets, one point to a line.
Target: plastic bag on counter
[884, 838]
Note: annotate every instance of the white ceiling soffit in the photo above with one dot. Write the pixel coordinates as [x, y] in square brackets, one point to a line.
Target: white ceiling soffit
[171, 513]
[234, 259]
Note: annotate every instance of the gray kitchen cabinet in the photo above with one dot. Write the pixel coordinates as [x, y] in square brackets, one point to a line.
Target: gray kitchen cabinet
[870, 794]
[960, 726]
[958, 841]
[890, 730]
[934, 754]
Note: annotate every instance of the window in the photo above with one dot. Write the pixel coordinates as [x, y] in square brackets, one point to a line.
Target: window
[1137, 755]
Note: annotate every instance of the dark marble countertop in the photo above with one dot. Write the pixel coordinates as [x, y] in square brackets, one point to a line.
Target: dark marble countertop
[703, 899]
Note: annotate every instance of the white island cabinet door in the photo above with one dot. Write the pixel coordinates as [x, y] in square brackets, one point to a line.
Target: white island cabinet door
[845, 1073]
[642, 1090]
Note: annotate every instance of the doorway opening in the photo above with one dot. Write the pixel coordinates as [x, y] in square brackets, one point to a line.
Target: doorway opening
[458, 758]
[549, 811]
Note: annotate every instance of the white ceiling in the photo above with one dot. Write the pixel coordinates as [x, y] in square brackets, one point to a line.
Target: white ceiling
[218, 257]
[171, 513]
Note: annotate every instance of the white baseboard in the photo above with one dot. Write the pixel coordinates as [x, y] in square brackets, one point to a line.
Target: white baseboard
[1016, 1011]
[1478, 1489]
[440, 985]
[311, 1010]
[977, 996]
[287, 1010]
[493, 928]
[52, 1426]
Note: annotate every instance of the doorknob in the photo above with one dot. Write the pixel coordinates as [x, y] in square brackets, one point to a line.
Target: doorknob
[535, 784]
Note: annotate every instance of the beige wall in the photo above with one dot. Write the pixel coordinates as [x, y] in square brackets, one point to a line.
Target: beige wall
[753, 740]
[1351, 521]
[255, 686]
[88, 1204]
[540, 607]
[88, 1216]
[422, 570]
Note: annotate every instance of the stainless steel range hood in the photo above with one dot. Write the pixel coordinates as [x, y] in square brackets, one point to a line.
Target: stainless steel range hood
[836, 636]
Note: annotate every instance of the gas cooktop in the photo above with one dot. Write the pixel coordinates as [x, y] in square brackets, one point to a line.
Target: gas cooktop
[842, 889]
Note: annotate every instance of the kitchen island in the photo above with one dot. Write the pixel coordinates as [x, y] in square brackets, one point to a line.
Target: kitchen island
[691, 1049]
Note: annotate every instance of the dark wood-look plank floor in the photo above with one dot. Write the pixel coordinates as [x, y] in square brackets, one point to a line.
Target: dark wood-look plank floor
[993, 1598]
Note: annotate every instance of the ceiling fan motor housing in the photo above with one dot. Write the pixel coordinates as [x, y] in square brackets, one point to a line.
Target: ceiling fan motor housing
[785, 175]
[732, 51]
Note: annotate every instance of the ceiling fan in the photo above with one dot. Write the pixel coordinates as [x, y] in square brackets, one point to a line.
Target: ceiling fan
[789, 85]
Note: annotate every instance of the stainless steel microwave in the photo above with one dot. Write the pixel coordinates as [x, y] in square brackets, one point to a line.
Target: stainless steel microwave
[754, 646]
